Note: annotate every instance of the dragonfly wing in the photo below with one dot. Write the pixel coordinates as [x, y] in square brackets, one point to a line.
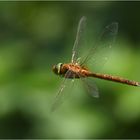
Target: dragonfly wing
[91, 87]
[59, 98]
[80, 29]
[99, 52]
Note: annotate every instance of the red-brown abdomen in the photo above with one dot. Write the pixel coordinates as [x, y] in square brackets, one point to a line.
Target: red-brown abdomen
[115, 79]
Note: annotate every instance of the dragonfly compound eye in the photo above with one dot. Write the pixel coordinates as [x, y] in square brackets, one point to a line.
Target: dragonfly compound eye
[57, 68]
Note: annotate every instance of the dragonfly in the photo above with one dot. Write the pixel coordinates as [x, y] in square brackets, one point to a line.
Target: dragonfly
[77, 68]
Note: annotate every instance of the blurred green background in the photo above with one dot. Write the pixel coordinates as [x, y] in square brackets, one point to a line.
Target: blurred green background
[36, 35]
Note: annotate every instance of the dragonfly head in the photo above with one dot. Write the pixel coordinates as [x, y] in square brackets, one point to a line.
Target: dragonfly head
[57, 68]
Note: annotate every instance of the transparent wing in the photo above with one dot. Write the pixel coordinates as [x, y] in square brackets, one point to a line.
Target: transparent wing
[60, 96]
[80, 29]
[91, 87]
[98, 54]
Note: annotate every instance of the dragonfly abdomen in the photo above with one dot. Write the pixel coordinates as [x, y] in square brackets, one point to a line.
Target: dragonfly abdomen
[115, 79]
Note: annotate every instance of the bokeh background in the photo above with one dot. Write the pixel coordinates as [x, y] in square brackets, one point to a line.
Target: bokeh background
[36, 35]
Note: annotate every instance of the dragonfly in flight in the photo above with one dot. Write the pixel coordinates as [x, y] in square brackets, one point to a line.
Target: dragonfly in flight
[77, 69]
